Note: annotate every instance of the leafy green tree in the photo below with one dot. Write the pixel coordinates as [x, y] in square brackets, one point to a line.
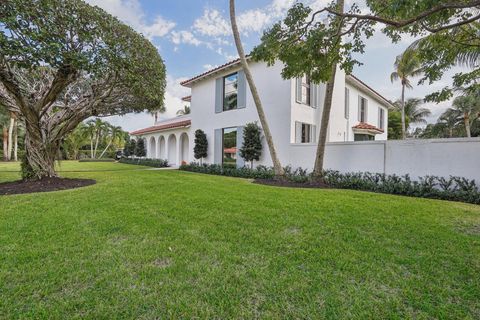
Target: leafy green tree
[313, 42]
[201, 145]
[140, 150]
[468, 109]
[63, 61]
[406, 65]
[395, 125]
[129, 149]
[252, 144]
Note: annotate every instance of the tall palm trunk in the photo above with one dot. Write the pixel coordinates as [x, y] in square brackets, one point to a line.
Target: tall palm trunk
[404, 135]
[256, 98]
[15, 141]
[466, 120]
[5, 143]
[327, 107]
[91, 146]
[10, 137]
[106, 148]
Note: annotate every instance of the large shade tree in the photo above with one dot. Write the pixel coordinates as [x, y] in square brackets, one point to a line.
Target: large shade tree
[63, 61]
[306, 41]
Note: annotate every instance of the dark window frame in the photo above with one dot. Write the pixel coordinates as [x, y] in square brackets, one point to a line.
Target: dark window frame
[224, 98]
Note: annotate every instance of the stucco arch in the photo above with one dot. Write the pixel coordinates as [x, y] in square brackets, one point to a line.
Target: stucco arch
[183, 148]
[152, 148]
[172, 149]
[162, 148]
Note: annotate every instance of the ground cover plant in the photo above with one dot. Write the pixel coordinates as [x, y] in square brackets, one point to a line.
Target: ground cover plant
[171, 244]
[156, 163]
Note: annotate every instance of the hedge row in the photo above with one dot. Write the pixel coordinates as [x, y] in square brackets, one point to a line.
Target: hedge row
[156, 163]
[452, 188]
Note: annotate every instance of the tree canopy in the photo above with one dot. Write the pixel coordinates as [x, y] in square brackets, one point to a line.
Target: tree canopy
[62, 61]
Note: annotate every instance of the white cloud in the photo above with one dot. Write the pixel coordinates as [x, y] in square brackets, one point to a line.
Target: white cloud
[253, 21]
[131, 12]
[179, 37]
[212, 23]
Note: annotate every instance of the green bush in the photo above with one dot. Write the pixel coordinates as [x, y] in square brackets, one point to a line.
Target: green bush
[453, 188]
[260, 172]
[96, 160]
[156, 163]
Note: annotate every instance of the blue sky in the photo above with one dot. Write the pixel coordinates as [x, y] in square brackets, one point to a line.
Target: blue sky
[193, 36]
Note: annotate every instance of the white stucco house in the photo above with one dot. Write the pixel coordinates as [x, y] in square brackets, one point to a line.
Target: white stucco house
[221, 104]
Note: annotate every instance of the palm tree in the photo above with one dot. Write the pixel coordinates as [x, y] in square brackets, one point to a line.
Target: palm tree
[4, 123]
[277, 167]
[115, 133]
[413, 112]
[450, 120]
[406, 65]
[95, 128]
[75, 140]
[468, 109]
[184, 111]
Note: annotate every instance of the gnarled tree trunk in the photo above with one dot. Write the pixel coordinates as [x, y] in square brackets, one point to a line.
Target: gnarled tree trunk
[40, 152]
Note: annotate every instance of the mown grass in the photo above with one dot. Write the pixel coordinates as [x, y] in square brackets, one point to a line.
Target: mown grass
[170, 244]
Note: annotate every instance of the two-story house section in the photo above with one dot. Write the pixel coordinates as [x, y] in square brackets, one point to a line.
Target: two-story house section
[221, 104]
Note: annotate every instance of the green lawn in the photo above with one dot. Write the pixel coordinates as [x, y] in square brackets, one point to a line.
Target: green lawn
[149, 244]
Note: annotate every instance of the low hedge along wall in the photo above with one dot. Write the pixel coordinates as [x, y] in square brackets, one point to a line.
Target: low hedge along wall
[452, 188]
[156, 163]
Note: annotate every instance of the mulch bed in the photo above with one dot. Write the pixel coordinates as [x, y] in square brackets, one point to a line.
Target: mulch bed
[290, 184]
[44, 185]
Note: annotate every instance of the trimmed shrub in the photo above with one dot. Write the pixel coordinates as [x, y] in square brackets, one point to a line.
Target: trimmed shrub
[260, 172]
[156, 163]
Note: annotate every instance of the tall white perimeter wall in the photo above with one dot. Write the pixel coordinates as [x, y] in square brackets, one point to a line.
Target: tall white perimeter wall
[439, 157]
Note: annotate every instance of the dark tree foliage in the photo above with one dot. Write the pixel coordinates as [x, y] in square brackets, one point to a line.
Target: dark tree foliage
[140, 150]
[64, 61]
[201, 145]
[252, 144]
[129, 149]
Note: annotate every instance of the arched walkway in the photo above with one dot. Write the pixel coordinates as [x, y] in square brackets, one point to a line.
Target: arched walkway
[172, 150]
[152, 148]
[184, 145]
[161, 148]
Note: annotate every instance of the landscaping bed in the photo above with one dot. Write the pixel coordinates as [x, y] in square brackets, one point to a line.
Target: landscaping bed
[44, 185]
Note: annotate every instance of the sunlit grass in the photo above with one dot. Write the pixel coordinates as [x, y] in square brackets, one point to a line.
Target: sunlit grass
[170, 244]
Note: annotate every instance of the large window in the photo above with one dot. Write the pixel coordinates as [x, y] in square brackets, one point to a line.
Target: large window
[305, 133]
[230, 92]
[347, 103]
[381, 118]
[362, 109]
[305, 90]
[230, 147]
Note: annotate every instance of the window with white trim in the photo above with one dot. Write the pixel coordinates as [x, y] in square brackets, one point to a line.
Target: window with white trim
[305, 90]
[347, 103]
[362, 109]
[381, 118]
[305, 132]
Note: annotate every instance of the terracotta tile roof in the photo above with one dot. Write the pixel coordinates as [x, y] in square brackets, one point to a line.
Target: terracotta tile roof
[352, 77]
[178, 124]
[366, 126]
[186, 83]
[187, 98]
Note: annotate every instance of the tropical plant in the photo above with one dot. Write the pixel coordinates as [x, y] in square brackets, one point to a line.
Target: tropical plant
[184, 111]
[200, 150]
[253, 89]
[129, 149]
[414, 113]
[407, 65]
[140, 149]
[252, 144]
[115, 133]
[468, 109]
[64, 61]
[76, 140]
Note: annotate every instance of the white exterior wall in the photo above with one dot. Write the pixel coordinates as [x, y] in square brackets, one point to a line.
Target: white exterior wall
[179, 149]
[275, 94]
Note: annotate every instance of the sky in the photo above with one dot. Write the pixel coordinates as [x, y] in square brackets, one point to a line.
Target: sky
[193, 36]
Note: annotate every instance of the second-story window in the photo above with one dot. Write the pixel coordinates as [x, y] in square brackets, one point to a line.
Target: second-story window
[362, 109]
[306, 90]
[230, 92]
[347, 103]
[381, 118]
